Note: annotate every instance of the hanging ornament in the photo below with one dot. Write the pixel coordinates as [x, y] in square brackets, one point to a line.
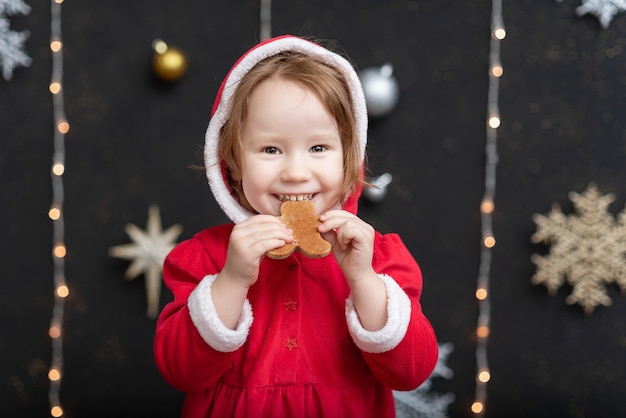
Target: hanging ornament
[604, 10]
[148, 251]
[587, 250]
[380, 89]
[168, 62]
[378, 189]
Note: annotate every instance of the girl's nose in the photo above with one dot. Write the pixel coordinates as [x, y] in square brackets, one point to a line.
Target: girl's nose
[296, 169]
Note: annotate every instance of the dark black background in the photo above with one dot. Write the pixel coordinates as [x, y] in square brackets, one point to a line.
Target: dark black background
[133, 140]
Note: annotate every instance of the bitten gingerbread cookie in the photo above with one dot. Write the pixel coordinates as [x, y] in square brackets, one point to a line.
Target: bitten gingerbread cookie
[301, 218]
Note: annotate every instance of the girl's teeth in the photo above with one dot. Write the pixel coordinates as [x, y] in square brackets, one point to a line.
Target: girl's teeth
[294, 198]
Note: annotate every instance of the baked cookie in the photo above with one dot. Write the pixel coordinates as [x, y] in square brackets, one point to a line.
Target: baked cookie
[301, 218]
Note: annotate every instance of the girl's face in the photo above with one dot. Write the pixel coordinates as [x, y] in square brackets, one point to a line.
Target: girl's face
[290, 149]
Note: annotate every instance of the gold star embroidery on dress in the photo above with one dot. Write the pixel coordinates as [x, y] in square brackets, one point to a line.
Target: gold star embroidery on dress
[587, 250]
[147, 252]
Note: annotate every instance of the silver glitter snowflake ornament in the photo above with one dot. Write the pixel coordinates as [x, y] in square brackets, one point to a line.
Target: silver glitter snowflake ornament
[12, 52]
[588, 250]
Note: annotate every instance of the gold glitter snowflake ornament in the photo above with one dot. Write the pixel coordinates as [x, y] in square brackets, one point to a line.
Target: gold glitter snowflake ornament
[588, 249]
[147, 252]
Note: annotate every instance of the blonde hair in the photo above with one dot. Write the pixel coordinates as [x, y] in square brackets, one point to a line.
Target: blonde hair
[328, 85]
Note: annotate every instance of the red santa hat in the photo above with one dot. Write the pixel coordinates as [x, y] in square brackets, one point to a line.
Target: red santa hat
[223, 104]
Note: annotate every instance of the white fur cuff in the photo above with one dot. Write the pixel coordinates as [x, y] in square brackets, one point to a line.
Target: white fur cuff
[208, 323]
[398, 317]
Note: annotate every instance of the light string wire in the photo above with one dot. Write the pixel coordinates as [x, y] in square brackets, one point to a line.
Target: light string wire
[61, 290]
[487, 206]
[265, 31]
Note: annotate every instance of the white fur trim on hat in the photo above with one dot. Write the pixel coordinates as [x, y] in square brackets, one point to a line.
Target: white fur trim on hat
[207, 322]
[218, 184]
[398, 317]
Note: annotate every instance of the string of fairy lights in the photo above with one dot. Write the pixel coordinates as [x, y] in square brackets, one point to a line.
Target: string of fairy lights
[487, 206]
[61, 290]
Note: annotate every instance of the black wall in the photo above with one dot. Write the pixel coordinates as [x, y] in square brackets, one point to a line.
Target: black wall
[133, 140]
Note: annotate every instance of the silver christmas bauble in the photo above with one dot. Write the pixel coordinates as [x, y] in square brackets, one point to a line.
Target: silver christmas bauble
[380, 89]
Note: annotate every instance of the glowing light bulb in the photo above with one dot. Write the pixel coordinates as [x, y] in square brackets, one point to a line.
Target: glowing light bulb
[63, 291]
[482, 331]
[54, 332]
[63, 127]
[494, 122]
[58, 1]
[477, 407]
[56, 46]
[481, 294]
[489, 242]
[54, 374]
[484, 376]
[59, 251]
[487, 206]
[56, 411]
[55, 87]
[58, 169]
[499, 33]
[497, 71]
[54, 213]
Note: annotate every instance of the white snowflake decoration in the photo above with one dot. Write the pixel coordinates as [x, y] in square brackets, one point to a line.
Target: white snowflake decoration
[420, 403]
[588, 250]
[604, 10]
[12, 52]
[148, 251]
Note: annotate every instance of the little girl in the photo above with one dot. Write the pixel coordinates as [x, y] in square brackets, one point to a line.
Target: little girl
[250, 336]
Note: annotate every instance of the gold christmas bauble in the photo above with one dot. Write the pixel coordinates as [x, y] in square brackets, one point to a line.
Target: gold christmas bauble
[168, 63]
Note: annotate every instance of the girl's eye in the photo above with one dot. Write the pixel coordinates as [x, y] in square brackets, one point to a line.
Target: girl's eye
[271, 150]
[318, 148]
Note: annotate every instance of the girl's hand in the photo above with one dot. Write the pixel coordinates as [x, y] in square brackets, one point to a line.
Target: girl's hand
[249, 241]
[353, 248]
[352, 240]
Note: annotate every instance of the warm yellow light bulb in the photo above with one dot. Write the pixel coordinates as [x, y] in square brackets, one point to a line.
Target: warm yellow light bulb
[497, 71]
[63, 127]
[54, 213]
[494, 122]
[482, 331]
[54, 332]
[55, 87]
[481, 294]
[56, 411]
[477, 407]
[489, 242]
[59, 251]
[499, 33]
[58, 169]
[484, 376]
[58, 1]
[54, 374]
[56, 46]
[487, 206]
[63, 291]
